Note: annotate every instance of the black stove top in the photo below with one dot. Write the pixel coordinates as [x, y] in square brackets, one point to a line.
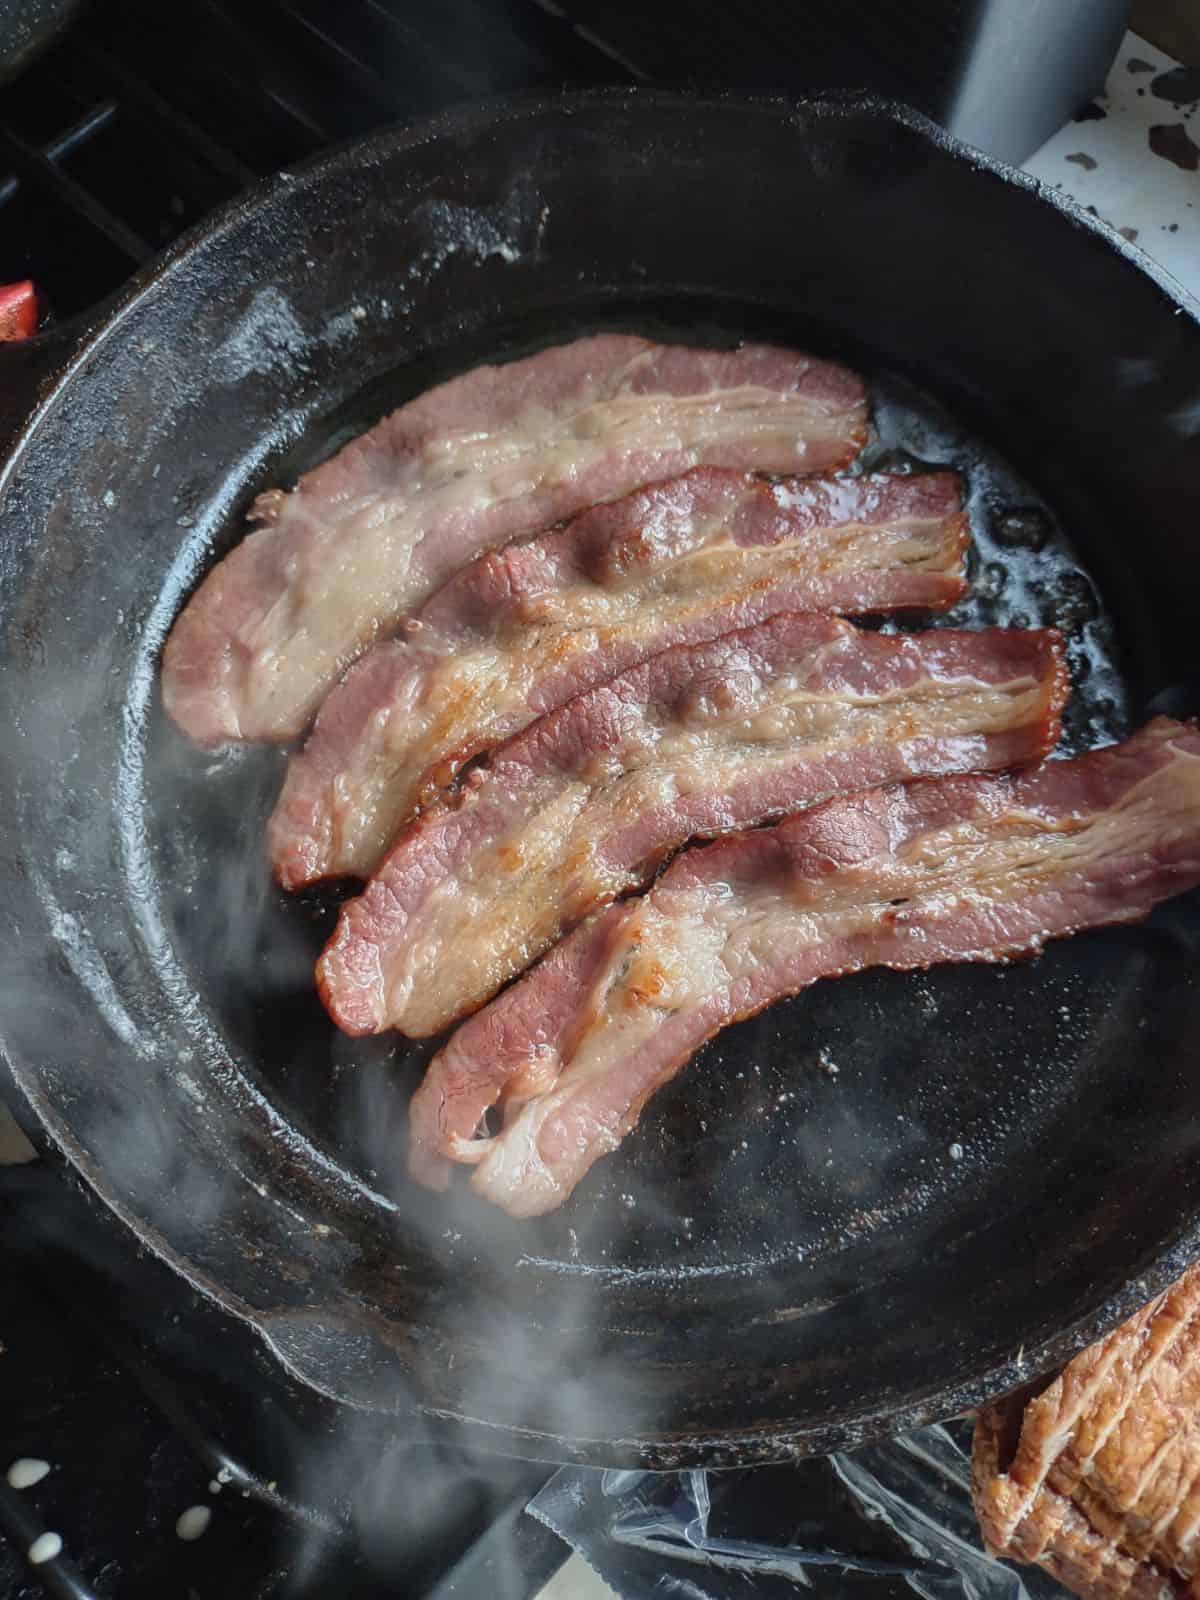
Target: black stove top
[149, 1403]
[144, 116]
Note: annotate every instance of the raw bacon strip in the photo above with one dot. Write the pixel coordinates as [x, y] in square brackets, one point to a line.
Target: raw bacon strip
[522, 630]
[366, 538]
[954, 869]
[1097, 1479]
[697, 741]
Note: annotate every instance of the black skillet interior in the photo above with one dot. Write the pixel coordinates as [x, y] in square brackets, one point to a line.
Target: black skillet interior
[874, 1204]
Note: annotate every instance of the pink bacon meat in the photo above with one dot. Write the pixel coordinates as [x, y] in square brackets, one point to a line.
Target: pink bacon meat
[521, 630]
[697, 741]
[502, 451]
[954, 869]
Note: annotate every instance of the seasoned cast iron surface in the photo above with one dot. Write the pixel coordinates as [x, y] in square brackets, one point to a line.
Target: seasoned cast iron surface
[870, 1205]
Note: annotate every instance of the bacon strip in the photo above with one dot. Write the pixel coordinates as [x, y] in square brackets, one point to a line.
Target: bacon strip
[955, 869]
[695, 742]
[522, 630]
[1097, 1479]
[502, 451]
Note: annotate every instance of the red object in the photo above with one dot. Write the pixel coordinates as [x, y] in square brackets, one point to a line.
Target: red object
[18, 310]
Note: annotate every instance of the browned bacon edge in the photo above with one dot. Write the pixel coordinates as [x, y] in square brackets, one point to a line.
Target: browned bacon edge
[364, 539]
[574, 607]
[587, 802]
[1097, 1477]
[576, 1048]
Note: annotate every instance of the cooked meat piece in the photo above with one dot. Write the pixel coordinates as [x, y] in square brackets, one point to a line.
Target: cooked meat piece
[695, 742]
[361, 542]
[1098, 1479]
[952, 869]
[522, 629]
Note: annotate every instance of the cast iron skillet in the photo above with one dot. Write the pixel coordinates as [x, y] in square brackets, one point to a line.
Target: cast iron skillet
[782, 1260]
[27, 27]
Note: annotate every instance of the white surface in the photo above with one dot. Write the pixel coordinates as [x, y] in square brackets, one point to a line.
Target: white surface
[576, 1581]
[1152, 201]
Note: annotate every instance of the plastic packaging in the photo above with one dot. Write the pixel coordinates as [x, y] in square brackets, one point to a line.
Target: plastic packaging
[891, 1520]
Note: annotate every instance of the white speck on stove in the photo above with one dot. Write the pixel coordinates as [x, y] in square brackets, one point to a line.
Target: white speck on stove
[193, 1522]
[44, 1548]
[26, 1471]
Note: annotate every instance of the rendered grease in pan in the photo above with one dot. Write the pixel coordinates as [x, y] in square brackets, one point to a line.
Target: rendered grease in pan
[1023, 570]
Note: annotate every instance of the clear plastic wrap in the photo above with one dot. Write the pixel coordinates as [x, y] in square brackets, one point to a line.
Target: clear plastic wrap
[891, 1520]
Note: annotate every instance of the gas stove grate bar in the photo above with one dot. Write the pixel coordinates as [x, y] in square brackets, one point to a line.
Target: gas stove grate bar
[368, 77]
[407, 37]
[40, 171]
[245, 43]
[136, 89]
[70, 139]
